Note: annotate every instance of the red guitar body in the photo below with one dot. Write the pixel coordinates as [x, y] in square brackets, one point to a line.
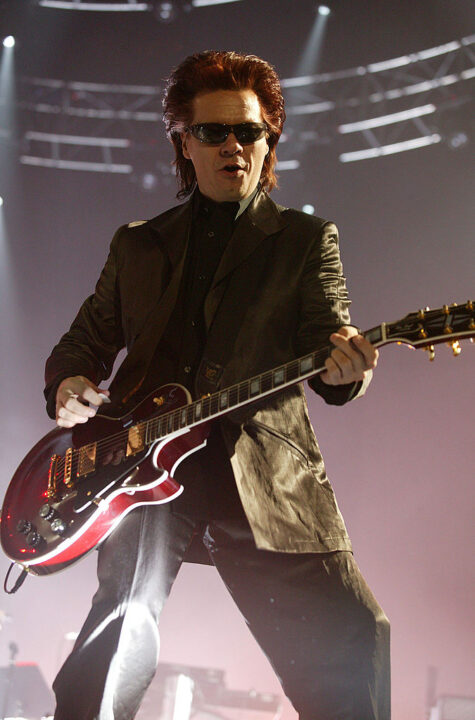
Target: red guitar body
[76, 485]
[48, 531]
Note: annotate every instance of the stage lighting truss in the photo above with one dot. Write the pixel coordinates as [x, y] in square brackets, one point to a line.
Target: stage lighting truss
[97, 5]
[88, 126]
[365, 112]
[127, 6]
[383, 108]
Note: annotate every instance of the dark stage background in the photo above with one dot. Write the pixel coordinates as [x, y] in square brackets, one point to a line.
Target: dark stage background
[401, 459]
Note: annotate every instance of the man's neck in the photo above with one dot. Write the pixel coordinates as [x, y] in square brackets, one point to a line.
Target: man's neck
[243, 204]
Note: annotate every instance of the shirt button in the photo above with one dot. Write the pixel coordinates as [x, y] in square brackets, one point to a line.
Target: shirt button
[193, 324]
[211, 234]
[187, 369]
[201, 277]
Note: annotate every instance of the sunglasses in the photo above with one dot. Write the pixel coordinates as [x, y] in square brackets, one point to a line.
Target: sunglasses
[216, 133]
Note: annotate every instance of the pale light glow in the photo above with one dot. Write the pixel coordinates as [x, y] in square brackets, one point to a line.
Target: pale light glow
[1, 201]
[77, 139]
[308, 209]
[311, 108]
[323, 10]
[183, 698]
[204, 3]
[75, 165]
[111, 7]
[9, 41]
[387, 119]
[288, 165]
[391, 149]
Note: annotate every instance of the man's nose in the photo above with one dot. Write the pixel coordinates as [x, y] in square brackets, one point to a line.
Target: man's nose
[230, 146]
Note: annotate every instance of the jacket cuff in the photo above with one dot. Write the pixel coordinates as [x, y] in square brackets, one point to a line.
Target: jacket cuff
[337, 394]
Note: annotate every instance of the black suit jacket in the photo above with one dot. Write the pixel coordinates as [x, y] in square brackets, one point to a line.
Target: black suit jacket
[277, 294]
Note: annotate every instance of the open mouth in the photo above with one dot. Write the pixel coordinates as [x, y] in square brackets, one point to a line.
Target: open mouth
[232, 169]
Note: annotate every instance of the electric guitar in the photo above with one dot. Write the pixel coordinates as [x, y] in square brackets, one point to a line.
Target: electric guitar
[76, 484]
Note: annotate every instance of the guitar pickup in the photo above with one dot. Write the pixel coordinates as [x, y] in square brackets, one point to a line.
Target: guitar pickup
[87, 459]
[136, 439]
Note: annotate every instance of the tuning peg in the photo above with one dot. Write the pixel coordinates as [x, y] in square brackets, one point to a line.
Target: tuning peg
[430, 349]
[456, 349]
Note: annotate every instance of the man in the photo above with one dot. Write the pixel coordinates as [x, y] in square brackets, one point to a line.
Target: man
[210, 293]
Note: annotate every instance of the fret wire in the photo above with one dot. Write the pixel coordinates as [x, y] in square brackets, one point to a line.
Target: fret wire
[233, 396]
[158, 427]
[205, 407]
[214, 403]
[243, 392]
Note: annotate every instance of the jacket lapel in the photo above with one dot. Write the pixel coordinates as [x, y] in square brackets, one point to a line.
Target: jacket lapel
[173, 228]
[262, 218]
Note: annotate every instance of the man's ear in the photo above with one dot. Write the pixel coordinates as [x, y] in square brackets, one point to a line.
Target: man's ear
[184, 138]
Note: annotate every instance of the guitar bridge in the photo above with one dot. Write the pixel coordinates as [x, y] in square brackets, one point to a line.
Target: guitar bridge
[53, 477]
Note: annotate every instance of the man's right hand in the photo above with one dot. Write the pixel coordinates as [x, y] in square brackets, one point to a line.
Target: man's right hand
[71, 395]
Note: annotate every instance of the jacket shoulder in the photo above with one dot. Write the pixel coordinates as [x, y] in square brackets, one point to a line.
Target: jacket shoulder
[138, 226]
[309, 222]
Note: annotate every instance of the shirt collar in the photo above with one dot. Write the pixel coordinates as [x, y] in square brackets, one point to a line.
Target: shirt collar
[203, 204]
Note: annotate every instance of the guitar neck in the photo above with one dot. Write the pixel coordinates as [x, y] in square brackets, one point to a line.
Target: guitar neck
[248, 391]
[423, 328]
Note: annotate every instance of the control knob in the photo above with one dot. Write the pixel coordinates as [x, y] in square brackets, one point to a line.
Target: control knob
[33, 539]
[46, 511]
[58, 526]
[24, 526]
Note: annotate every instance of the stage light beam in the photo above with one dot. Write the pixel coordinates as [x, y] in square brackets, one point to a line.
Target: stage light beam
[9, 41]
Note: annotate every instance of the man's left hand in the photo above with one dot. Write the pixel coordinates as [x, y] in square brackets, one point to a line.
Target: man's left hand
[351, 359]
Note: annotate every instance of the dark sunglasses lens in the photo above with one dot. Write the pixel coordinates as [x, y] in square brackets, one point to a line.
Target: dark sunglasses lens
[213, 133]
[248, 133]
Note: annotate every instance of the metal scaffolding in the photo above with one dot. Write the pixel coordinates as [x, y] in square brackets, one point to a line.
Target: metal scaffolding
[364, 112]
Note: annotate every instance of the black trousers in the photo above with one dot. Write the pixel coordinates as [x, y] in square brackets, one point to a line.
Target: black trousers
[312, 614]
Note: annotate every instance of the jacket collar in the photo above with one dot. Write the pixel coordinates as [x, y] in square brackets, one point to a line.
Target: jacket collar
[262, 218]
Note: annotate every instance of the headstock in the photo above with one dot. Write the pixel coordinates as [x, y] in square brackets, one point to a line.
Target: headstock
[426, 328]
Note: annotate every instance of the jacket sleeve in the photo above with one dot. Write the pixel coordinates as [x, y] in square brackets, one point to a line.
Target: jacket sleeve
[324, 308]
[95, 337]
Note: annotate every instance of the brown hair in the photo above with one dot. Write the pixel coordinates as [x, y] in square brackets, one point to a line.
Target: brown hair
[220, 70]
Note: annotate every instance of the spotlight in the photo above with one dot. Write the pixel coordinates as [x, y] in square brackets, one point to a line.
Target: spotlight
[457, 140]
[309, 209]
[149, 181]
[1, 201]
[165, 11]
[9, 41]
[323, 10]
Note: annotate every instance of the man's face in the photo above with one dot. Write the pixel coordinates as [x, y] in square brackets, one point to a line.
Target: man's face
[230, 171]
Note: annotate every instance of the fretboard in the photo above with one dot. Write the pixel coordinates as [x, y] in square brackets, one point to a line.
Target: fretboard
[243, 393]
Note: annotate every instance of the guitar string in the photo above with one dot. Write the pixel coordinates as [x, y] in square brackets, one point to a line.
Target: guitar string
[160, 425]
[163, 425]
[172, 418]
